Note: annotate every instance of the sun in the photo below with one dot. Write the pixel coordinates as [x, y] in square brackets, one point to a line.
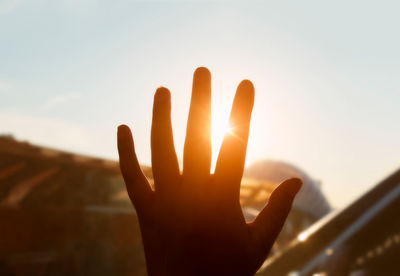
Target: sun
[219, 127]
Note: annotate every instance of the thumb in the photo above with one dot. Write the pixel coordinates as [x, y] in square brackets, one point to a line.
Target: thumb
[268, 224]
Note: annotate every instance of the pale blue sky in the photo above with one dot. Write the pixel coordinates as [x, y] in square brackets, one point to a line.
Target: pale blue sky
[326, 77]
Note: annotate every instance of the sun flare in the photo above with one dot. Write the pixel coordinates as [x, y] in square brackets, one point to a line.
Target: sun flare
[219, 127]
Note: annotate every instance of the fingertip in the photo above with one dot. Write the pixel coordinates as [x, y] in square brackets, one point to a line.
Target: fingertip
[246, 85]
[162, 94]
[246, 90]
[287, 189]
[294, 184]
[124, 137]
[162, 89]
[202, 72]
[122, 129]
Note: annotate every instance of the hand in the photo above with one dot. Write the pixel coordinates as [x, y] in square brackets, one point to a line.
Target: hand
[192, 222]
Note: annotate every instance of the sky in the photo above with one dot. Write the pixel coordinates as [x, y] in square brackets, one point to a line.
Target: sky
[326, 76]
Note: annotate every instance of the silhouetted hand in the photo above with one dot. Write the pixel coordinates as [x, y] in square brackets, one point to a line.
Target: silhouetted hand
[192, 223]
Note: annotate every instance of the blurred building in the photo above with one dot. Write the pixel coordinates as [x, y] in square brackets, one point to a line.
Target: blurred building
[69, 214]
[64, 214]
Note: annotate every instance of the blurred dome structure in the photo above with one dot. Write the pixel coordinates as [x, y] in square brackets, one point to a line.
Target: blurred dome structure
[310, 198]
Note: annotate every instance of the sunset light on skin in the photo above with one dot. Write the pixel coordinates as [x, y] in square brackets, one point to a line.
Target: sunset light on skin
[208, 231]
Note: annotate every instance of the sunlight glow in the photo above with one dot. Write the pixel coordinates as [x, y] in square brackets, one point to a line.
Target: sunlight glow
[219, 127]
[223, 93]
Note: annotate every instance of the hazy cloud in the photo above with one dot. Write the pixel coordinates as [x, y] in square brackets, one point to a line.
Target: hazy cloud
[60, 99]
[4, 85]
[45, 131]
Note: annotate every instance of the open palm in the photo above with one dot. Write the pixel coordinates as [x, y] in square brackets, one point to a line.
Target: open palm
[192, 222]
